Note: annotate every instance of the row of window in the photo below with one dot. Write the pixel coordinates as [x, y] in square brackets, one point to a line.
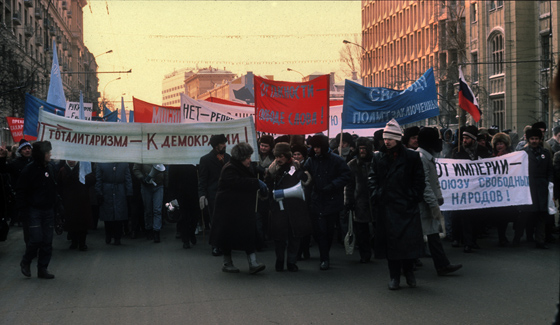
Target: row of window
[181, 88]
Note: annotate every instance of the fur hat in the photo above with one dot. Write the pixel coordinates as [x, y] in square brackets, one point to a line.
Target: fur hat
[282, 138]
[362, 141]
[470, 131]
[428, 139]
[319, 141]
[299, 148]
[392, 130]
[283, 149]
[40, 149]
[346, 137]
[533, 132]
[241, 151]
[22, 144]
[501, 137]
[539, 125]
[268, 139]
[409, 133]
[217, 139]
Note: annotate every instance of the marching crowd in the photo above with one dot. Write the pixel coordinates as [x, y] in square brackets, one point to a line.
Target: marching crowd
[386, 186]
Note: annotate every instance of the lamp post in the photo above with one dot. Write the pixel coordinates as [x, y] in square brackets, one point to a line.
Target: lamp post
[302, 77]
[363, 54]
[107, 84]
[348, 42]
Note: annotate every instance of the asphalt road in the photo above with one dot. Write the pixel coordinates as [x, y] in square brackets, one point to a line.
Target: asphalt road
[141, 282]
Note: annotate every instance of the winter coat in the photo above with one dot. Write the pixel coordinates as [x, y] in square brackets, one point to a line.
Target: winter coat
[356, 193]
[114, 183]
[141, 171]
[554, 145]
[75, 197]
[294, 220]
[540, 174]
[330, 174]
[234, 223]
[429, 207]
[209, 170]
[397, 186]
[36, 187]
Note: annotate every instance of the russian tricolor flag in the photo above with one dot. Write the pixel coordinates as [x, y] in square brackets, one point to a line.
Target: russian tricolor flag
[467, 101]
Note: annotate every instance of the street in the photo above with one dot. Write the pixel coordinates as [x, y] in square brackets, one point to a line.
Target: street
[141, 282]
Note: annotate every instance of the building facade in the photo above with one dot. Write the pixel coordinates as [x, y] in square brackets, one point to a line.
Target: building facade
[27, 31]
[505, 49]
[173, 85]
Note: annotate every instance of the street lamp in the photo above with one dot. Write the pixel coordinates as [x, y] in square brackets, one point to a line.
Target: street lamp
[107, 84]
[348, 42]
[302, 77]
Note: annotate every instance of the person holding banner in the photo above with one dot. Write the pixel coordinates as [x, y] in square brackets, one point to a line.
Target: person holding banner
[396, 184]
[234, 219]
[330, 174]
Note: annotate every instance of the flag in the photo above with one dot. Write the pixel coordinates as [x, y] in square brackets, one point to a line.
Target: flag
[56, 90]
[106, 111]
[32, 106]
[85, 166]
[467, 101]
[130, 116]
[123, 111]
[112, 116]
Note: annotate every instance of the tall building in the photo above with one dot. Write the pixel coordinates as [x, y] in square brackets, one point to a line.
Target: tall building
[192, 83]
[173, 86]
[27, 31]
[505, 48]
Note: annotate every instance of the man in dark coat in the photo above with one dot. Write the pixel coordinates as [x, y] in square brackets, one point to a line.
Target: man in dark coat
[330, 174]
[396, 183]
[209, 170]
[234, 219]
[540, 175]
[36, 197]
[357, 197]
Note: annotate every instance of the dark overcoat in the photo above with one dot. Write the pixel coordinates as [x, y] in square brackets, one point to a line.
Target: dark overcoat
[357, 192]
[209, 171]
[114, 183]
[397, 186]
[540, 174]
[75, 197]
[294, 220]
[234, 223]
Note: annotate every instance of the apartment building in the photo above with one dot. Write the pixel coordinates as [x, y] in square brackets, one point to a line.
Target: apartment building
[173, 85]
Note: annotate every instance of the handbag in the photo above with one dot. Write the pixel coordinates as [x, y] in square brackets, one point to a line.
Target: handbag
[551, 206]
[350, 238]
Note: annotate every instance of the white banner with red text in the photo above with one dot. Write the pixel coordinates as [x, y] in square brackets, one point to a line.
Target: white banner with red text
[485, 183]
[146, 143]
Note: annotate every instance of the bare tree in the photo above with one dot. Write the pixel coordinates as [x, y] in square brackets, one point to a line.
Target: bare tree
[351, 57]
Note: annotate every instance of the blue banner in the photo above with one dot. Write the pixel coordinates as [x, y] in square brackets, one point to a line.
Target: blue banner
[366, 107]
[32, 105]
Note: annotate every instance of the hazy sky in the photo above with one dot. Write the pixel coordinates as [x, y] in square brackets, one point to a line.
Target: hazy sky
[155, 37]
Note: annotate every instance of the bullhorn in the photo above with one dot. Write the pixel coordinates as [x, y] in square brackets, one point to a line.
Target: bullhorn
[295, 191]
[156, 169]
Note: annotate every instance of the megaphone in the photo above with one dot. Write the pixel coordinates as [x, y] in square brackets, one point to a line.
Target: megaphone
[156, 169]
[295, 191]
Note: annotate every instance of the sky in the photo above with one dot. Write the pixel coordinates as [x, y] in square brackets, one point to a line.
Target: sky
[154, 38]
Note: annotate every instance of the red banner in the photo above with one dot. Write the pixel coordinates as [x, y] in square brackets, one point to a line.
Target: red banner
[145, 112]
[16, 128]
[292, 107]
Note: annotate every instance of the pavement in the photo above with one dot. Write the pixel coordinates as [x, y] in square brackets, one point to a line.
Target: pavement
[141, 282]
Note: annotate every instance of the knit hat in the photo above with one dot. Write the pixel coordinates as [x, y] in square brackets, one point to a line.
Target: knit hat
[241, 151]
[470, 131]
[392, 130]
[363, 141]
[533, 132]
[282, 149]
[501, 137]
[23, 143]
[217, 139]
[268, 139]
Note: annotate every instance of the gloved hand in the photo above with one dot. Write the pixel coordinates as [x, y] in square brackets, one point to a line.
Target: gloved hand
[202, 202]
[327, 189]
[440, 201]
[100, 200]
[262, 186]
[147, 179]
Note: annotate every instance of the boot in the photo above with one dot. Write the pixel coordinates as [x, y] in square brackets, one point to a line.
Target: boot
[156, 237]
[228, 265]
[25, 268]
[42, 273]
[254, 266]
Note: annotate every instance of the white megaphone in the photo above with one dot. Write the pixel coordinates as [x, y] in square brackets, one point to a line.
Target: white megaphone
[156, 169]
[295, 191]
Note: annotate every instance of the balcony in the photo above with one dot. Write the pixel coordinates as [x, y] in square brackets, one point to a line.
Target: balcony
[58, 38]
[28, 31]
[69, 13]
[28, 3]
[64, 5]
[65, 46]
[16, 18]
[70, 54]
[38, 13]
[39, 40]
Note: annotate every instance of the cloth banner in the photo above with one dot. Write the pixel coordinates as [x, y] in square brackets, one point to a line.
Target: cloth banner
[73, 110]
[146, 143]
[16, 128]
[195, 111]
[292, 107]
[366, 107]
[145, 112]
[485, 183]
[32, 106]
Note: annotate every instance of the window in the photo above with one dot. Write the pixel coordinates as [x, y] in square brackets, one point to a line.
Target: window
[498, 113]
[492, 4]
[545, 51]
[474, 12]
[497, 55]
[474, 66]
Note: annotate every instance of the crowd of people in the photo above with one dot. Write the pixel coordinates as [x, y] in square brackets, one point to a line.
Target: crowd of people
[386, 186]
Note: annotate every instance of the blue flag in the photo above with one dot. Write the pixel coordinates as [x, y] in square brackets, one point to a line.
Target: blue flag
[85, 166]
[106, 111]
[130, 116]
[366, 107]
[32, 106]
[56, 90]
[123, 111]
[111, 117]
